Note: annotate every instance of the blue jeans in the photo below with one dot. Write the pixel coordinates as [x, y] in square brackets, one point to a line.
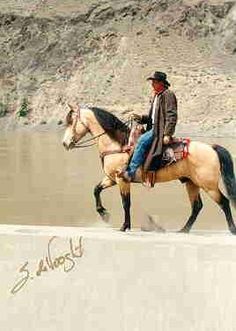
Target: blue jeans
[143, 145]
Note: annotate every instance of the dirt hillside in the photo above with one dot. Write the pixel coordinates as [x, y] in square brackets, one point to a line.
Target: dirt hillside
[100, 53]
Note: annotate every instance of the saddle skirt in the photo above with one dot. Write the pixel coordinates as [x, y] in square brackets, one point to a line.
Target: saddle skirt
[177, 150]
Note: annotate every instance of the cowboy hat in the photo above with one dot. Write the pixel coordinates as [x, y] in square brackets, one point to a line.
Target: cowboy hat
[160, 77]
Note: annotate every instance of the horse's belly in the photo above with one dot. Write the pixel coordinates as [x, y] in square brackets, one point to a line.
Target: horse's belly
[172, 172]
[169, 173]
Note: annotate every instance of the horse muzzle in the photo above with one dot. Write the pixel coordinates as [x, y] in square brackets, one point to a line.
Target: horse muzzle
[68, 147]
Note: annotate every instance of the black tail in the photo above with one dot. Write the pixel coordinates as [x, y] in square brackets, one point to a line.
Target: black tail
[227, 171]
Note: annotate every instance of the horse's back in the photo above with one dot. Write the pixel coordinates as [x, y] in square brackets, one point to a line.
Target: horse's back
[202, 161]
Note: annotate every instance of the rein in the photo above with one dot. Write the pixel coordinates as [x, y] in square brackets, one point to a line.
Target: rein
[85, 143]
[82, 144]
[91, 141]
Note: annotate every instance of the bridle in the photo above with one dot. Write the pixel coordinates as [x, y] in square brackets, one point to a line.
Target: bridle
[84, 143]
[91, 141]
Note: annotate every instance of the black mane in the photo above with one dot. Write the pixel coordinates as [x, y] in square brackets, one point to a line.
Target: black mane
[115, 128]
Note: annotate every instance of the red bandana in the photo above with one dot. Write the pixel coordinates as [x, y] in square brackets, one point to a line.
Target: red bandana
[159, 89]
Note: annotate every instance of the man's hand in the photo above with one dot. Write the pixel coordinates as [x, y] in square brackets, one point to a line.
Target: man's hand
[166, 140]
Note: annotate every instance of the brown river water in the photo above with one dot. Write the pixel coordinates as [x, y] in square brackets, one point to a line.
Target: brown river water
[42, 184]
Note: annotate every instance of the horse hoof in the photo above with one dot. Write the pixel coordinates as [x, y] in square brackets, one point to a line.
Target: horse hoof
[233, 230]
[105, 215]
[125, 227]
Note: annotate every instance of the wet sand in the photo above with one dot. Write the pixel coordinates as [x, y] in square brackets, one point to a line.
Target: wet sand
[42, 184]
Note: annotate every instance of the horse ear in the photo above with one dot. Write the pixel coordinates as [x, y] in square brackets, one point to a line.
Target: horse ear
[70, 106]
[69, 119]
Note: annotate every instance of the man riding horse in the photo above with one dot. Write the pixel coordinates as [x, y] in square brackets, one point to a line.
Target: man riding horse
[202, 167]
[161, 122]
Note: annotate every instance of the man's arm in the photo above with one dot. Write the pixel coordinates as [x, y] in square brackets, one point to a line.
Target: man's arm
[170, 104]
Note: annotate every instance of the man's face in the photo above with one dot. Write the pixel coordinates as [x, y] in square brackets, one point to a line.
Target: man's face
[156, 85]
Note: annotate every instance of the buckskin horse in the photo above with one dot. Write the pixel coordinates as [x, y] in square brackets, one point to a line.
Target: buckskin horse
[201, 169]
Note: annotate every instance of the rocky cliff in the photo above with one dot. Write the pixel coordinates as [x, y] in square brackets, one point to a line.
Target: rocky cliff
[100, 52]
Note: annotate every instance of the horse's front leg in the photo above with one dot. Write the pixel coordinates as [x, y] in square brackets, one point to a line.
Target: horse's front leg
[125, 196]
[105, 183]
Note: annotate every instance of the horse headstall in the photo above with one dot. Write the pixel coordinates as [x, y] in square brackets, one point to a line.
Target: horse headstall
[76, 118]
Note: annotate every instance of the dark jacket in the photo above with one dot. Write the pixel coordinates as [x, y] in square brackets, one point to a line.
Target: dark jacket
[164, 123]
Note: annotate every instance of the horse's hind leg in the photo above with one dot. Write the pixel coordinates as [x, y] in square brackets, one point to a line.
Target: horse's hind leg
[196, 203]
[105, 183]
[224, 204]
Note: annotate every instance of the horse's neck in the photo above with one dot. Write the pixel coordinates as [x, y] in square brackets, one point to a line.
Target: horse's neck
[104, 142]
